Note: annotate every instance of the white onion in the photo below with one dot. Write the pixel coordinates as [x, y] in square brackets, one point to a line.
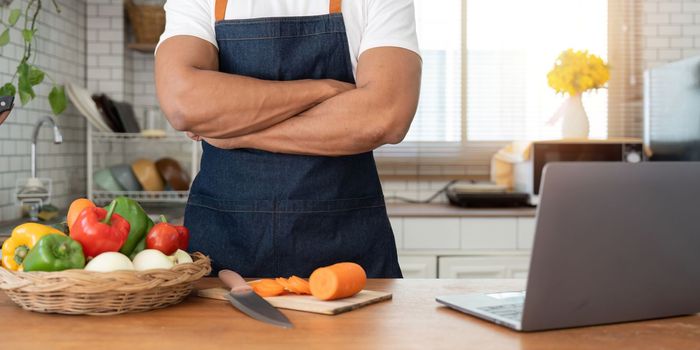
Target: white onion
[109, 261]
[150, 259]
[182, 257]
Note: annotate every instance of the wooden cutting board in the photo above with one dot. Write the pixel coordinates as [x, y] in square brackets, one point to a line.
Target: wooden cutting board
[308, 303]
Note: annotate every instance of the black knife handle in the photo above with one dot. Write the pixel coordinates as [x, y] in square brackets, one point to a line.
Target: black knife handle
[6, 103]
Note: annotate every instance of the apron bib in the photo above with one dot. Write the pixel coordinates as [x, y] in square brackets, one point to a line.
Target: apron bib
[264, 214]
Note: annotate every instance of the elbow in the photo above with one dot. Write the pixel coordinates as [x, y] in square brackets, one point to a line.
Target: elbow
[392, 132]
[395, 130]
[177, 110]
[395, 135]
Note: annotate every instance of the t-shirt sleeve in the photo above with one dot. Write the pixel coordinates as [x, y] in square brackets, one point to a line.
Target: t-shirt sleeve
[390, 23]
[189, 17]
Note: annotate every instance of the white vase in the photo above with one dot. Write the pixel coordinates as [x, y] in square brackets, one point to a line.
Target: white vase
[574, 119]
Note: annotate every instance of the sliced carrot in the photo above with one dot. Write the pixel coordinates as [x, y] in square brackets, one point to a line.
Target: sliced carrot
[337, 281]
[267, 288]
[284, 283]
[300, 285]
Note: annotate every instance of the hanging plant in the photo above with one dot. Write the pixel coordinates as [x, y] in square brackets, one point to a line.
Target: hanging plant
[28, 75]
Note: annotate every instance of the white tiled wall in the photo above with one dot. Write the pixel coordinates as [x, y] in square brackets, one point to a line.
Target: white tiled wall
[105, 48]
[61, 53]
[671, 30]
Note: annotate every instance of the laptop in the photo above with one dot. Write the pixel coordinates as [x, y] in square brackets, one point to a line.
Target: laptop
[614, 242]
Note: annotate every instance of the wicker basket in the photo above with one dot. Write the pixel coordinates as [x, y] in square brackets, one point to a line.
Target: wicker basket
[148, 21]
[80, 292]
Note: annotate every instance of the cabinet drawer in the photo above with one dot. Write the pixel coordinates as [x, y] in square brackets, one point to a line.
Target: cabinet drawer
[419, 233]
[418, 266]
[397, 227]
[489, 233]
[526, 233]
[477, 267]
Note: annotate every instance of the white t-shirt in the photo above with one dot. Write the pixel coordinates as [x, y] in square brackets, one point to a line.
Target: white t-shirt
[369, 23]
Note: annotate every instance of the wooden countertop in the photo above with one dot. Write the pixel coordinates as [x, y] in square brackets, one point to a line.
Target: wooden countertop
[446, 210]
[412, 320]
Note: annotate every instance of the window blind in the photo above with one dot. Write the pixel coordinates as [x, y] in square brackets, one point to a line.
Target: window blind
[485, 65]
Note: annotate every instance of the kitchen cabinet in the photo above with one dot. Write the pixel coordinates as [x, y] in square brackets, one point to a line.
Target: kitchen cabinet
[418, 266]
[526, 233]
[397, 227]
[447, 242]
[478, 267]
[431, 233]
[489, 233]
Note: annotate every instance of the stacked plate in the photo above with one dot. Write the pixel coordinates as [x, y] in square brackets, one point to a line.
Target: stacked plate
[144, 175]
[86, 106]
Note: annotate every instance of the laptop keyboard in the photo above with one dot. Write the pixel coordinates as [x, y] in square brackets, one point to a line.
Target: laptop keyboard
[508, 311]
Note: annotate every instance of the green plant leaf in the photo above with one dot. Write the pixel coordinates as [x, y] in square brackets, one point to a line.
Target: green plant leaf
[14, 17]
[57, 99]
[8, 90]
[36, 76]
[5, 37]
[27, 34]
[24, 85]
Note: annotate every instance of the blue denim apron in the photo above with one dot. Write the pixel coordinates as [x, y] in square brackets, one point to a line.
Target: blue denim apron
[266, 214]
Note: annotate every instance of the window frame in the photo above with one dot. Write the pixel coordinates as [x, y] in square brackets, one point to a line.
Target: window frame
[458, 153]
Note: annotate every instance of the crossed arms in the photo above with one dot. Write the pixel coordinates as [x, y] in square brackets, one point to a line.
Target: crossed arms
[311, 117]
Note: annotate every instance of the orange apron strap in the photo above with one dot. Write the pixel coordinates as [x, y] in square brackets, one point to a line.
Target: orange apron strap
[335, 6]
[220, 9]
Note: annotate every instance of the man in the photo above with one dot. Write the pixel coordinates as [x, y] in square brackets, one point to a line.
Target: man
[290, 98]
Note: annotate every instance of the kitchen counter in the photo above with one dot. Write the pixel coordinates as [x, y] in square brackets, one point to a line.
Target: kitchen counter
[175, 213]
[412, 320]
[446, 210]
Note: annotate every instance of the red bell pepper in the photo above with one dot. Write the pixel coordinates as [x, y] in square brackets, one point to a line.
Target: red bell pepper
[167, 238]
[100, 231]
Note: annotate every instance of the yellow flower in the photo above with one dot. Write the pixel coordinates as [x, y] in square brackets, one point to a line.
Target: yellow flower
[576, 72]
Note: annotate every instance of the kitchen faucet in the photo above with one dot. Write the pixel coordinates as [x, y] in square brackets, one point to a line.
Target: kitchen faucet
[34, 193]
[57, 138]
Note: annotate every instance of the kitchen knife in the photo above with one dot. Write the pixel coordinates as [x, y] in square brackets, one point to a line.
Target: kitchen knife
[6, 103]
[251, 304]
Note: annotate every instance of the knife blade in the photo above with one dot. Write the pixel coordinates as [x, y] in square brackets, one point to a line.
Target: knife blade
[243, 298]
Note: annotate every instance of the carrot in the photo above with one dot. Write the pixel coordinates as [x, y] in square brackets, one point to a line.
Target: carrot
[267, 288]
[337, 281]
[76, 208]
[299, 285]
[284, 283]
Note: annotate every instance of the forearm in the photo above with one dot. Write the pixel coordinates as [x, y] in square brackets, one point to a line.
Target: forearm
[214, 104]
[350, 123]
[379, 111]
[197, 98]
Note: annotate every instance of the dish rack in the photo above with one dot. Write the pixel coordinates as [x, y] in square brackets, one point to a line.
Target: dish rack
[105, 149]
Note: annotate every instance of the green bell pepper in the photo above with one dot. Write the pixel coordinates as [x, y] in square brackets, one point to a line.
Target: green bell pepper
[55, 252]
[139, 247]
[140, 223]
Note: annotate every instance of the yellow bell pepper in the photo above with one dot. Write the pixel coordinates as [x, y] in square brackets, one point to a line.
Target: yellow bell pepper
[23, 238]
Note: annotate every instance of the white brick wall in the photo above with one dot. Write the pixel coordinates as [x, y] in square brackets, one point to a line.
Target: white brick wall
[671, 30]
[61, 53]
[105, 48]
